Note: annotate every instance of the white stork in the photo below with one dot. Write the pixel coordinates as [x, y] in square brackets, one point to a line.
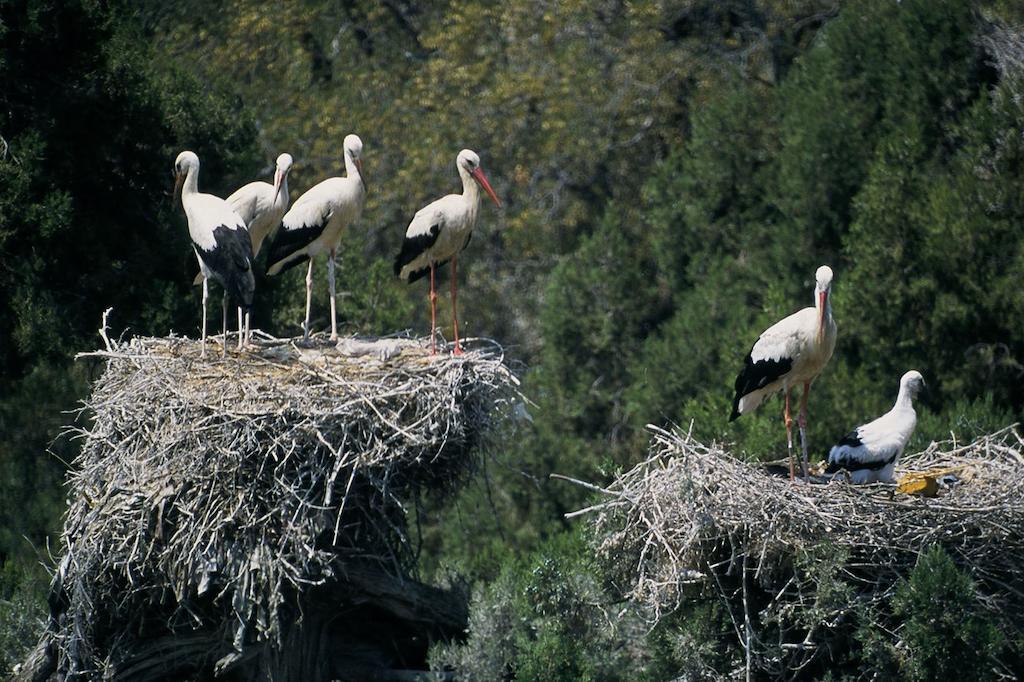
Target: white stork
[792, 351]
[314, 225]
[439, 231]
[261, 206]
[870, 451]
[219, 239]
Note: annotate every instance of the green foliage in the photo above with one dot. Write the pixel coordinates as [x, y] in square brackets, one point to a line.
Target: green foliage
[33, 455]
[89, 131]
[695, 643]
[935, 628]
[544, 617]
[945, 632]
[21, 613]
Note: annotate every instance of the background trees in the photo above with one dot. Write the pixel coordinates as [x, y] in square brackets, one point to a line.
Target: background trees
[673, 173]
[86, 223]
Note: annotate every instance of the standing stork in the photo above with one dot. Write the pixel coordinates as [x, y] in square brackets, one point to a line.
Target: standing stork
[261, 206]
[314, 225]
[792, 351]
[439, 231]
[219, 240]
[870, 451]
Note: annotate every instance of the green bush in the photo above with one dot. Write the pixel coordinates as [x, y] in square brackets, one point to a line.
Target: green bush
[545, 617]
[22, 613]
[945, 633]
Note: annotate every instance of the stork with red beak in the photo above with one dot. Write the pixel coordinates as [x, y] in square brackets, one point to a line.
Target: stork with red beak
[439, 231]
[792, 351]
[315, 223]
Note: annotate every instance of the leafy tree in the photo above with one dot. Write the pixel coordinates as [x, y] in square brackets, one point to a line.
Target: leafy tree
[544, 618]
[945, 632]
[21, 613]
[88, 135]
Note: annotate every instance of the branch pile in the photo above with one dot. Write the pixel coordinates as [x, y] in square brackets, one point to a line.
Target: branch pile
[210, 495]
[693, 518]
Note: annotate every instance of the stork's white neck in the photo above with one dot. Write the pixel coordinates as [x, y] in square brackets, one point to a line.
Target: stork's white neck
[825, 323]
[282, 196]
[828, 304]
[470, 187]
[191, 184]
[351, 169]
[905, 399]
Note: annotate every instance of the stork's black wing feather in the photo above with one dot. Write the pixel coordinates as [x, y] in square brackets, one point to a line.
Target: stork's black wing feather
[851, 464]
[230, 262]
[291, 239]
[851, 439]
[755, 375]
[413, 247]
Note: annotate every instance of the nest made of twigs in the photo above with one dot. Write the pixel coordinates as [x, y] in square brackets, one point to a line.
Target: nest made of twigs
[222, 487]
[693, 515]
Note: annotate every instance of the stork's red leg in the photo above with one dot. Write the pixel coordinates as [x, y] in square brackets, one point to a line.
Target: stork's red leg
[334, 305]
[789, 439]
[309, 300]
[224, 347]
[206, 295]
[802, 417]
[433, 313]
[802, 421]
[455, 316]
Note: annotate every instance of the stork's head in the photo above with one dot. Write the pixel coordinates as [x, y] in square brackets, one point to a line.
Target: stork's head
[822, 288]
[912, 382]
[185, 162]
[284, 164]
[354, 150]
[468, 162]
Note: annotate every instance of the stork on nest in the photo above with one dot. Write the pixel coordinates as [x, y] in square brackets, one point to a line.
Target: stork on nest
[693, 519]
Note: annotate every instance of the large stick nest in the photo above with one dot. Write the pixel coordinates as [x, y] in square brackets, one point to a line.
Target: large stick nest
[693, 518]
[220, 489]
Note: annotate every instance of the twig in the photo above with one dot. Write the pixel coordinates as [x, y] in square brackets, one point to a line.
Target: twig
[103, 331]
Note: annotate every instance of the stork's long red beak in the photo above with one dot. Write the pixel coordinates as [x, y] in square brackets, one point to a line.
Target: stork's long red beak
[278, 181]
[822, 298]
[359, 166]
[178, 179]
[478, 175]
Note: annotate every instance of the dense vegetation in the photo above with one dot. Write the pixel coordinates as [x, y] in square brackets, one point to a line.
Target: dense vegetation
[673, 173]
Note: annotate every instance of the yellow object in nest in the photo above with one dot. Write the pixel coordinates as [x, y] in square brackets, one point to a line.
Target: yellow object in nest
[927, 483]
[917, 484]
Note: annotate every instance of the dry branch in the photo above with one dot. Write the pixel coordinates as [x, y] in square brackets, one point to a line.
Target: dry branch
[220, 502]
[693, 518]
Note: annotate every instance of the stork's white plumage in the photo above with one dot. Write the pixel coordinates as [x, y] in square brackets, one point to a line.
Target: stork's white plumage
[442, 229]
[219, 239]
[869, 452]
[791, 352]
[314, 225]
[262, 205]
